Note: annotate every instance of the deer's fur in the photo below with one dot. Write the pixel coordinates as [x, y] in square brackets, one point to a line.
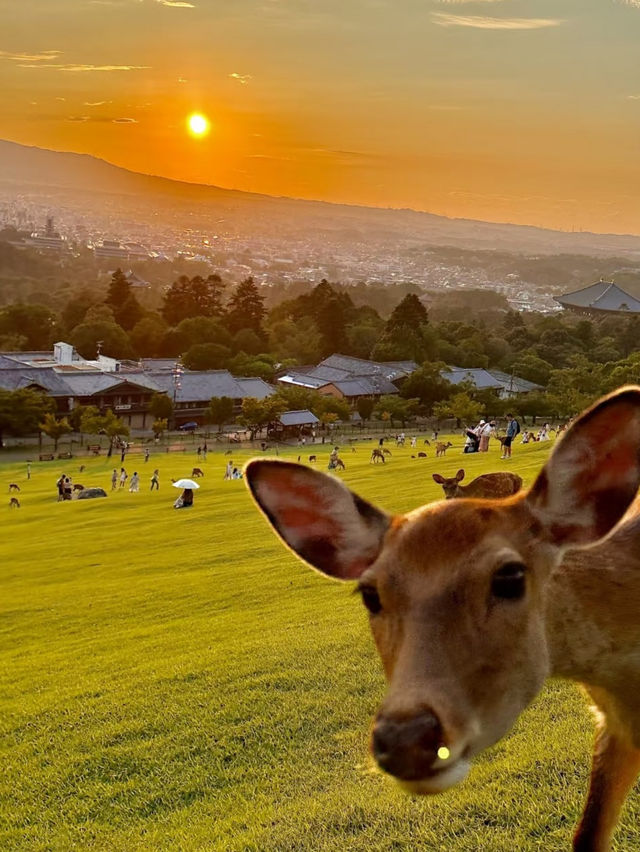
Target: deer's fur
[488, 485]
[462, 653]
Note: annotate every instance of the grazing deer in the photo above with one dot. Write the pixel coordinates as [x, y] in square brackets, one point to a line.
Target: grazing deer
[386, 452]
[488, 485]
[474, 603]
[340, 465]
[377, 455]
[13, 486]
[313, 458]
[14, 503]
[196, 472]
[441, 448]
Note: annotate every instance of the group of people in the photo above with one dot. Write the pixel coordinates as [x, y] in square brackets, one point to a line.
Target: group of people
[202, 452]
[65, 487]
[477, 439]
[119, 480]
[232, 472]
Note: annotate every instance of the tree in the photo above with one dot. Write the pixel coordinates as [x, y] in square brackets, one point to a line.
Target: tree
[405, 333]
[206, 356]
[161, 406]
[258, 413]
[36, 323]
[160, 426]
[396, 408]
[246, 309]
[427, 384]
[193, 297]
[365, 406]
[107, 424]
[147, 335]
[112, 338]
[22, 411]
[461, 406]
[126, 308]
[55, 428]
[329, 408]
[220, 411]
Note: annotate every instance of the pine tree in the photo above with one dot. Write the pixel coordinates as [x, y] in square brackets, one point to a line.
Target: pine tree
[246, 309]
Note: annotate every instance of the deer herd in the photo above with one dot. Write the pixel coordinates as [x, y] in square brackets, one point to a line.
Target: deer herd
[474, 601]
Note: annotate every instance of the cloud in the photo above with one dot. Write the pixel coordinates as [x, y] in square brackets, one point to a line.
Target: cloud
[633, 97]
[82, 68]
[482, 22]
[96, 103]
[45, 56]
[243, 79]
[634, 3]
[179, 4]
[101, 119]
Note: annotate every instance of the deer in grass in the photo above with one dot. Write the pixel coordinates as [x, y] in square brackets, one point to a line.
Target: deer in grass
[501, 484]
[474, 603]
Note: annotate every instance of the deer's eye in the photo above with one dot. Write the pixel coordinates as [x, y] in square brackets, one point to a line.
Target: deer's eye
[370, 599]
[509, 581]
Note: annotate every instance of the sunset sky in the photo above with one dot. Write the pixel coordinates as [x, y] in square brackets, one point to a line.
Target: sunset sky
[525, 111]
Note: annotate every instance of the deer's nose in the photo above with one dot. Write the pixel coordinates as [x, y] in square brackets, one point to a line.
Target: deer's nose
[407, 747]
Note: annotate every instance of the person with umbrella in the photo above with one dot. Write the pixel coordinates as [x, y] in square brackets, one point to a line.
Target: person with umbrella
[186, 498]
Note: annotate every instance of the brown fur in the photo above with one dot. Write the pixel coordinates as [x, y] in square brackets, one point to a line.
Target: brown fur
[462, 657]
[441, 448]
[196, 472]
[13, 486]
[14, 503]
[377, 455]
[488, 485]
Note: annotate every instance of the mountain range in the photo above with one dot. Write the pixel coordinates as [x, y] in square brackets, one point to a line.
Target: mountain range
[90, 181]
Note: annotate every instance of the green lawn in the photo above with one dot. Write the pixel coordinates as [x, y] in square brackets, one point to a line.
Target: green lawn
[178, 681]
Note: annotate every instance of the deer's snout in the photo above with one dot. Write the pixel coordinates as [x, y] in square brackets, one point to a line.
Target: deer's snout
[407, 747]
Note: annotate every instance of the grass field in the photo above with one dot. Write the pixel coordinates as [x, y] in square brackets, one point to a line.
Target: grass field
[178, 681]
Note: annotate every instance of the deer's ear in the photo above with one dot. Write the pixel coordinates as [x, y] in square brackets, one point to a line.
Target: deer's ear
[593, 473]
[460, 475]
[438, 478]
[318, 517]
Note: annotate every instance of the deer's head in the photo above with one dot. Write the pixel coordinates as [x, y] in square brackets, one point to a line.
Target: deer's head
[456, 590]
[449, 484]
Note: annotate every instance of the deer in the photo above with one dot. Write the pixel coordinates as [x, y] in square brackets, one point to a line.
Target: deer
[376, 456]
[474, 603]
[489, 485]
[442, 448]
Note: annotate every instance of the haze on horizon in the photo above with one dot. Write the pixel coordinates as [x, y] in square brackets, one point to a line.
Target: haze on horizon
[524, 111]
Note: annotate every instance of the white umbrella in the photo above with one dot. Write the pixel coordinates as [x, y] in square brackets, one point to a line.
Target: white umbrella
[185, 483]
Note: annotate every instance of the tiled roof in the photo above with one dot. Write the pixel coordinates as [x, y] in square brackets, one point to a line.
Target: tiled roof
[201, 386]
[298, 418]
[603, 296]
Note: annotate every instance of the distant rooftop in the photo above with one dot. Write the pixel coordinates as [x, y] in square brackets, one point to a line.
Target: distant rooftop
[604, 296]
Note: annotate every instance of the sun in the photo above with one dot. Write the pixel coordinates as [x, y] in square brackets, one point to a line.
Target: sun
[198, 124]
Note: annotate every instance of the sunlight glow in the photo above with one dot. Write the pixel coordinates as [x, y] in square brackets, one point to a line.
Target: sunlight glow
[198, 124]
[443, 753]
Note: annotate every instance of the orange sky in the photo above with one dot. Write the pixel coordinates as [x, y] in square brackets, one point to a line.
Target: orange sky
[508, 110]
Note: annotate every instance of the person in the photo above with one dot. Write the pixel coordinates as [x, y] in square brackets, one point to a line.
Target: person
[471, 441]
[155, 480]
[333, 458]
[123, 477]
[228, 470]
[435, 434]
[237, 474]
[525, 437]
[184, 500]
[485, 434]
[204, 451]
[68, 488]
[60, 487]
[114, 479]
[381, 442]
[413, 442]
[28, 470]
[543, 434]
[134, 485]
[513, 427]
[146, 455]
[122, 453]
[199, 452]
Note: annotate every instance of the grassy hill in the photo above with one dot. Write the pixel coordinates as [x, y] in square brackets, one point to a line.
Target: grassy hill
[177, 681]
